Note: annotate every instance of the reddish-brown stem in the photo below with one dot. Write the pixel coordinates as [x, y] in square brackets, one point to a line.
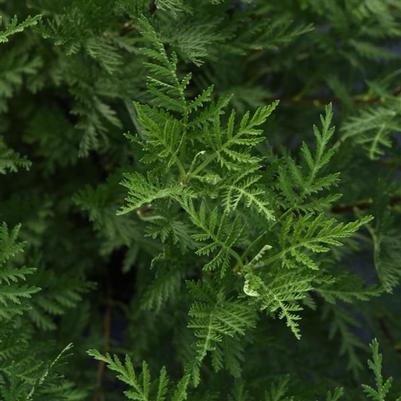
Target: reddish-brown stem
[98, 396]
[363, 205]
[389, 335]
[327, 100]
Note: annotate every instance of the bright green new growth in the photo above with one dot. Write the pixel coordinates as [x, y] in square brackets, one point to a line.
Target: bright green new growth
[196, 183]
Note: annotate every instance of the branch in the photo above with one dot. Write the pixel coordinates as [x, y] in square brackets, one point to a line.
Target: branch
[389, 335]
[358, 99]
[98, 396]
[363, 205]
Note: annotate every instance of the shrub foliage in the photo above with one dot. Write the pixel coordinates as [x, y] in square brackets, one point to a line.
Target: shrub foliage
[200, 200]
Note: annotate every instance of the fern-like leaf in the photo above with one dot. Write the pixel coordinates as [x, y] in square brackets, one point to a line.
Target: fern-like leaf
[214, 316]
[11, 161]
[141, 192]
[382, 385]
[231, 147]
[280, 294]
[13, 290]
[141, 387]
[167, 89]
[245, 190]
[13, 27]
[300, 239]
[373, 127]
[220, 233]
[300, 184]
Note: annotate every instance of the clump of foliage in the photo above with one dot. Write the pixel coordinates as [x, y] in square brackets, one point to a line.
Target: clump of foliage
[200, 200]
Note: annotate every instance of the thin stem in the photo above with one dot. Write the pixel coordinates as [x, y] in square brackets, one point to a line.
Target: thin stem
[98, 396]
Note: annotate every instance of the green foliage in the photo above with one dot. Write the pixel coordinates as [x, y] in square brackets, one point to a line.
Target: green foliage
[13, 27]
[13, 290]
[311, 234]
[172, 170]
[10, 160]
[301, 184]
[374, 126]
[382, 385]
[213, 317]
[140, 385]
[222, 235]
[281, 295]
[344, 325]
[141, 192]
[386, 248]
[23, 373]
